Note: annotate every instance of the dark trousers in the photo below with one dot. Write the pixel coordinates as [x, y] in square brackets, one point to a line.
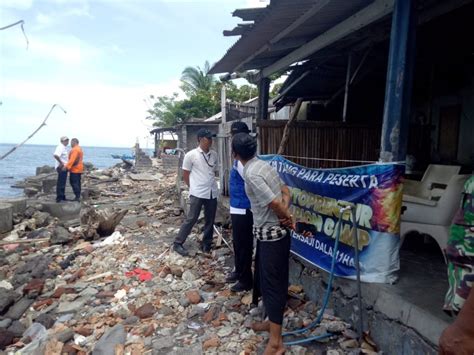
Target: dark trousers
[75, 181]
[210, 208]
[242, 237]
[273, 276]
[61, 185]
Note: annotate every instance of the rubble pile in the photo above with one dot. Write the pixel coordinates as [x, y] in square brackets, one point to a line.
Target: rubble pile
[68, 287]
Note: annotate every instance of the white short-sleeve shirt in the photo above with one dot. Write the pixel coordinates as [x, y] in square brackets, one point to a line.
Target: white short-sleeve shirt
[63, 153]
[203, 167]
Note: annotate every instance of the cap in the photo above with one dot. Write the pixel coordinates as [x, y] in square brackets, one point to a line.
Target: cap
[239, 127]
[244, 145]
[204, 132]
[64, 138]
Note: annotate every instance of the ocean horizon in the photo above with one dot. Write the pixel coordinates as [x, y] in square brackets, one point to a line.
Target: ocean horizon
[23, 162]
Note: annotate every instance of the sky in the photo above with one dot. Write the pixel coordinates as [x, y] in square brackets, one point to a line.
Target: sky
[100, 60]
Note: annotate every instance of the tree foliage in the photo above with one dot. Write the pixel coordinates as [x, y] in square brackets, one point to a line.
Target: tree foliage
[203, 96]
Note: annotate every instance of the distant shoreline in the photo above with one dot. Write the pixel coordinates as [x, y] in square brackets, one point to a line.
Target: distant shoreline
[53, 145]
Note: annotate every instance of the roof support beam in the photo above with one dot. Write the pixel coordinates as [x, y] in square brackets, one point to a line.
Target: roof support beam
[364, 17]
[318, 6]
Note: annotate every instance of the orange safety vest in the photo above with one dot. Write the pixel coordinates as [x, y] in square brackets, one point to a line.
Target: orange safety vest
[74, 164]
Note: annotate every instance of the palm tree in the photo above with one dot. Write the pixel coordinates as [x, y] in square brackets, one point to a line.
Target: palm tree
[195, 79]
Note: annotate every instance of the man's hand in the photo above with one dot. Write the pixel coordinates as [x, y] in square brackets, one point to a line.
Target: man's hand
[287, 222]
[285, 196]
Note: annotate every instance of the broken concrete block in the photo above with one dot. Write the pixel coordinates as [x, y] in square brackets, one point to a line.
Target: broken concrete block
[49, 185]
[6, 217]
[18, 204]
[63, 211]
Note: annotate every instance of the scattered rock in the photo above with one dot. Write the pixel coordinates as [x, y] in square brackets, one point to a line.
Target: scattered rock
[33, 288]
[60, 236]
[17, 328]
[145, 311]
[16, 311]
[193, 296]
[211, 343]
[7, 297]
[46, 320]
[6, 338]
[112, 337]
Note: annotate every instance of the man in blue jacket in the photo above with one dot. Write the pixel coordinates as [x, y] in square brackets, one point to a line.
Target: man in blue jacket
[242, 223]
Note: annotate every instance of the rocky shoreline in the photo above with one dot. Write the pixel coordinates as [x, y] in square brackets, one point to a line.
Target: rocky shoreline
[99, 277]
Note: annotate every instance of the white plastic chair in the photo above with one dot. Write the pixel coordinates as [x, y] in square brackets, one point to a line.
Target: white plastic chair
[434, 174]
[433, 217]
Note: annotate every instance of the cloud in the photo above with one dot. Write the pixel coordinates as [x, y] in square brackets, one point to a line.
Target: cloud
[99, 113]
[16, 4]
[257, 3]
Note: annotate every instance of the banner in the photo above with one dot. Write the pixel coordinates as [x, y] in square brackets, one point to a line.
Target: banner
[317, 195]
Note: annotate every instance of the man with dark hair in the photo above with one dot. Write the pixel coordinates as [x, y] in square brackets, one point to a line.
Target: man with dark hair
[199, 171]
[75, 167]
[61, 154]
[242, 222]
[269, 199]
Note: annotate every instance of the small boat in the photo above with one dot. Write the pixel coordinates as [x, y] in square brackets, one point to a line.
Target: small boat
[123, 156]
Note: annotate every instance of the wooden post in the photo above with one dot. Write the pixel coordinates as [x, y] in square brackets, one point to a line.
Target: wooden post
[263, 95]
[286, 132]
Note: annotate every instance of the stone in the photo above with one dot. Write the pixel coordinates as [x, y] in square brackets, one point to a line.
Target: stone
[163, 343]
[188, 276]
[60, 236]
[30, 191]
[65, 335]
[39, 233]
[61, 290]
[211, 343]
[33, 288]
[112, 337]
[41, 219]
[63, 211]
[349, 344]
[17, 328]
[6, 217]
[145, 311]
[131, 320]
[18, 204]
[225, 331]
[71, 307]
[193, 296]
[6, 338]
[84, 331]
[48, 185]
[88, 292]
[7, 298]
[46, 320]
[16, 311]
[45, 169]
[5, 323]
[335, 326]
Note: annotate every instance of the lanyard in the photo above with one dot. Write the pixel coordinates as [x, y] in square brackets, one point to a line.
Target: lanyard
[207, 160]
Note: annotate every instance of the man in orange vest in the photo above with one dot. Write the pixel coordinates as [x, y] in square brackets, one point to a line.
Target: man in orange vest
[75, 167]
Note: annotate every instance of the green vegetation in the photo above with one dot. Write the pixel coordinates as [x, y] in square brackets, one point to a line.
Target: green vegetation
[203, 98]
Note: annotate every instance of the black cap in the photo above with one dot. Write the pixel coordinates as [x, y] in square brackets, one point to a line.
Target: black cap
[239, 127]
[204, 132]
[244, 145]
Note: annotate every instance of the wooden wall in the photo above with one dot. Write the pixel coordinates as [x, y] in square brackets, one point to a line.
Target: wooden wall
[328, 140]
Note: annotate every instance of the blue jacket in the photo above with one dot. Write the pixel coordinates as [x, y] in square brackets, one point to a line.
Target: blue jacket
[238, 197]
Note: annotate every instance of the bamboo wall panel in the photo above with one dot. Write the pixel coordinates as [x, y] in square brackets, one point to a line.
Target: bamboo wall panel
[324, 140]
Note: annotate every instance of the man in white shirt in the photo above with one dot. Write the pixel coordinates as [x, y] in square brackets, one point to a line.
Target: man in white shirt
[199, 171]
[61, 155]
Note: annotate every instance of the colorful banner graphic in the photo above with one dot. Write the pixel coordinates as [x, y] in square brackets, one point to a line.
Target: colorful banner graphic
[317, 195]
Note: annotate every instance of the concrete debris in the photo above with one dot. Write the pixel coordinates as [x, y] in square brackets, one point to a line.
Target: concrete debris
[99, 277]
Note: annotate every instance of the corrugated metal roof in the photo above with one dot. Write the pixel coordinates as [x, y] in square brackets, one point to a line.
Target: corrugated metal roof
[257, 47]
